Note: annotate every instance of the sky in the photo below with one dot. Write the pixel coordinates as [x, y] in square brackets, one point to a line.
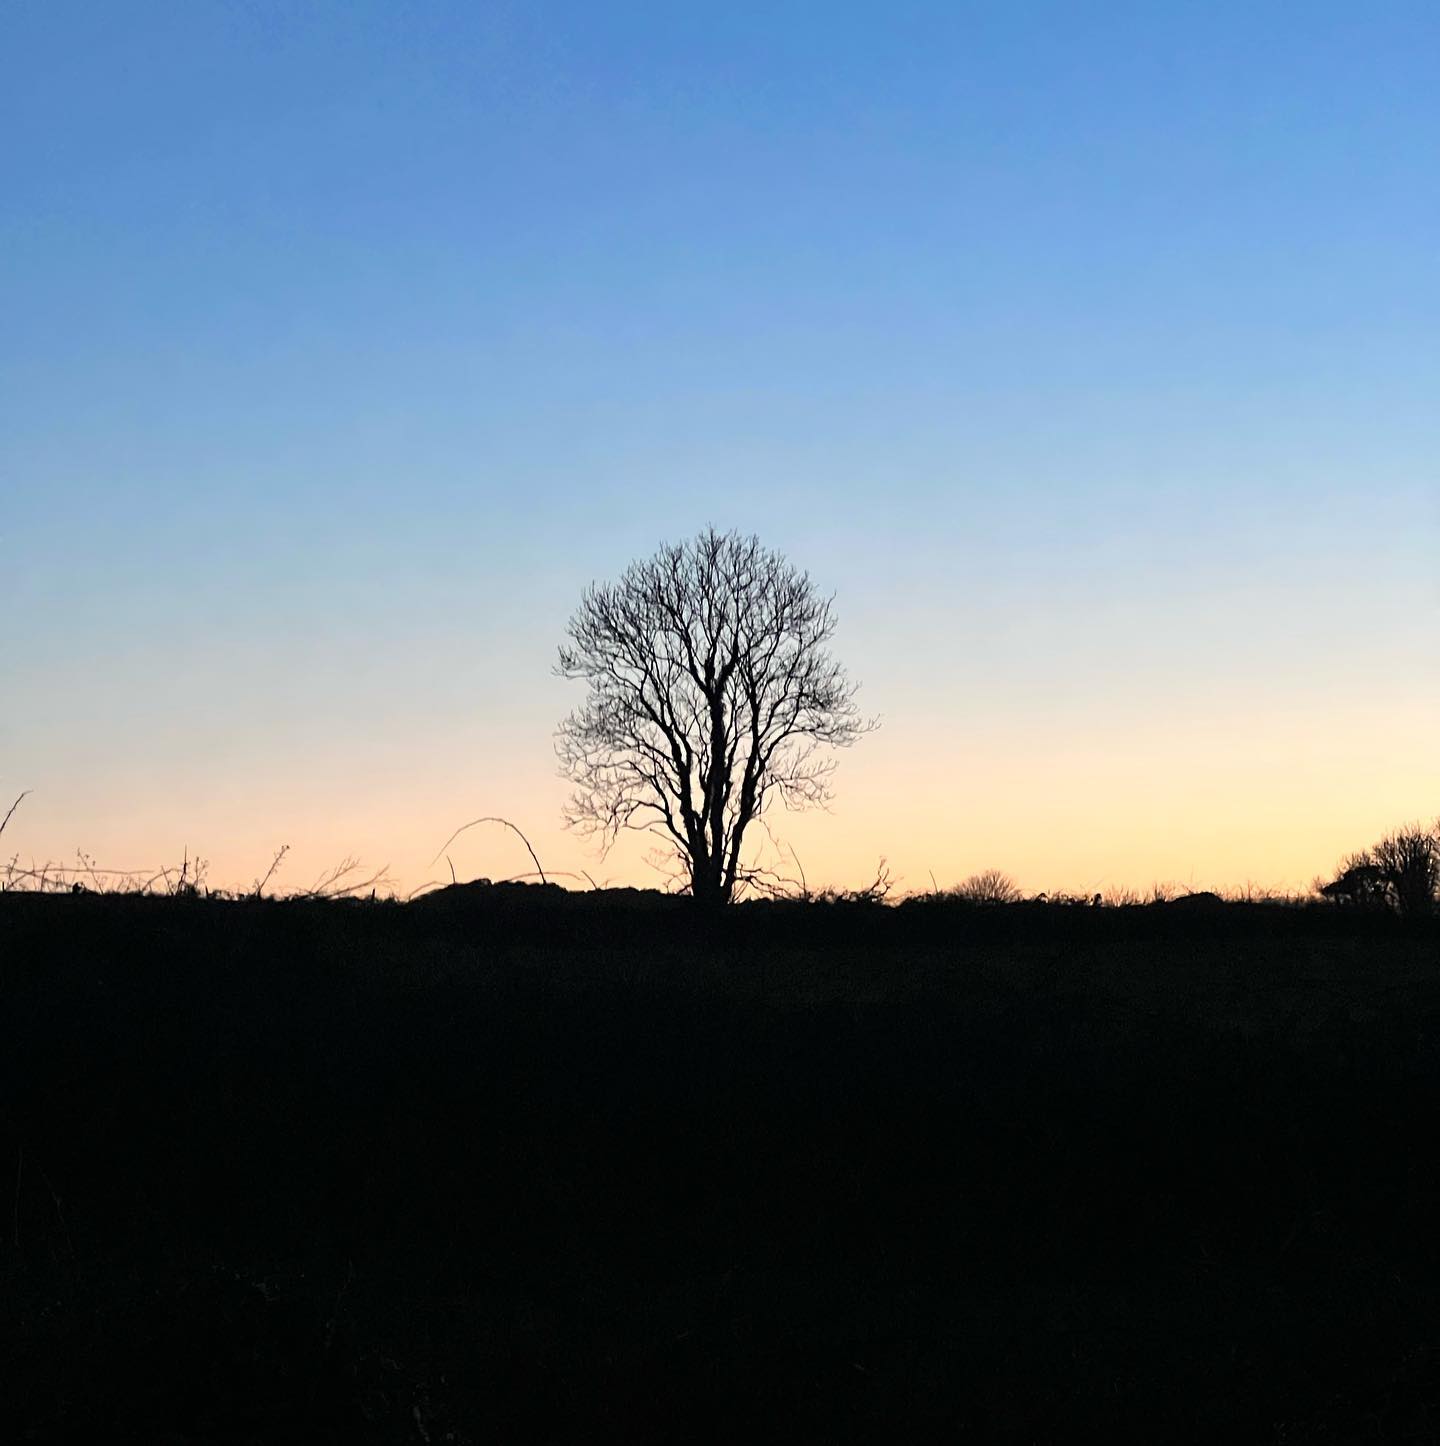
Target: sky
[1087, 352]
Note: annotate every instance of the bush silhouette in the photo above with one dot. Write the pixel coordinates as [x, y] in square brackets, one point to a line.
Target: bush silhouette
[989, 886]
[1401, 872]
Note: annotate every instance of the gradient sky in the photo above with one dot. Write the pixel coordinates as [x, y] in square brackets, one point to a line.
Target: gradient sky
[1090, 352]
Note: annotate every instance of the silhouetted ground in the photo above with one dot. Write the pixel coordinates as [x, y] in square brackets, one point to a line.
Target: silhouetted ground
[505, 1166]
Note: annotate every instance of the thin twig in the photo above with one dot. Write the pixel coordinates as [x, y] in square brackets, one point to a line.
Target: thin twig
[330, 887]
[13, 807]
[113, 873]
[531, 874]
[804, 882]
[491, 818]
[90, 866]
[275, 864]
[379, 877]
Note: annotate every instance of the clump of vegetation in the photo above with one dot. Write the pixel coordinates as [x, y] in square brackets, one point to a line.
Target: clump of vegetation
[1400, 873]
[989, 886]
[877, 891]
[186, 880]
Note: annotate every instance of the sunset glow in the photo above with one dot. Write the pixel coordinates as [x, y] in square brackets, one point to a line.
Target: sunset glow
[338, 359]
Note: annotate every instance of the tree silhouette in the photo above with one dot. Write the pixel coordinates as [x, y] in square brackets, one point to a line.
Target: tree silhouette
[1401, 872]
[1409, 861]
[711, 690]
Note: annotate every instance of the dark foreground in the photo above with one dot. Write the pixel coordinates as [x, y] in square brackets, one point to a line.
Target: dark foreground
[488, 1170]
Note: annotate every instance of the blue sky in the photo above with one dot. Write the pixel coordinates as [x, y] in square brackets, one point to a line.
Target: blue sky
[1087, 351]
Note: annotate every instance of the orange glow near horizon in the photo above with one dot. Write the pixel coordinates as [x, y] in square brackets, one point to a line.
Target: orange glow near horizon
[1220, 805]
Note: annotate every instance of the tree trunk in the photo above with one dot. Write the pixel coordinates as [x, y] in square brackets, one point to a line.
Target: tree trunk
[707, 884]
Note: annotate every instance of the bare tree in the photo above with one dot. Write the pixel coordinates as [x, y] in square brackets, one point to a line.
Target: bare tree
[711, 691]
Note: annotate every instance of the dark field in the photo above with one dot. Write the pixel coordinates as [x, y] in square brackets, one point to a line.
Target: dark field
[506, 1167]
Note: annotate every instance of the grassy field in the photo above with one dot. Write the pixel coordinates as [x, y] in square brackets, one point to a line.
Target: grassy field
[499, 1165]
